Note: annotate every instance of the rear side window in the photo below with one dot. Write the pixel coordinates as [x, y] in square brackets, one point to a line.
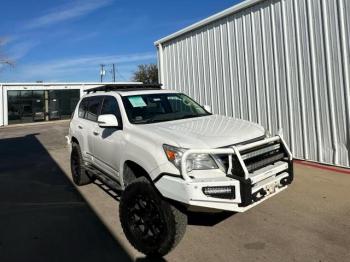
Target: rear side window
[82, 108]
[93, 108]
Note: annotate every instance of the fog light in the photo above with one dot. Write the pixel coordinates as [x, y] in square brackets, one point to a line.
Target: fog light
[227, 192]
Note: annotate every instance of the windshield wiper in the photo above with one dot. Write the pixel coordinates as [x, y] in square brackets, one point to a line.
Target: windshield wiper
[190, 116]
[155, 119]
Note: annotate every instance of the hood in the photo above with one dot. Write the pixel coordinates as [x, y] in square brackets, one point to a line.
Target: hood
[207, 132]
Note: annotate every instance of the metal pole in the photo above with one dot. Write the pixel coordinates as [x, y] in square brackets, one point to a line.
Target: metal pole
[113, 72]
[46, 98]
[102, 72]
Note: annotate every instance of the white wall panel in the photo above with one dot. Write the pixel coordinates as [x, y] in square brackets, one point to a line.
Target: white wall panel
[280, 63]
[1, 106]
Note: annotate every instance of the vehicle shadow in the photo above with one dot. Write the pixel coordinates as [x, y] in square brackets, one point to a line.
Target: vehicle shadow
[42, 216]
[150, 259]
[207, 219]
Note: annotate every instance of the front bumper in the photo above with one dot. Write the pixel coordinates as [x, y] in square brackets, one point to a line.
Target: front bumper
[249, 189]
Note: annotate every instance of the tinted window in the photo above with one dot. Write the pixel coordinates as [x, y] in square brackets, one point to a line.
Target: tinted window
[62, 103]
[94, 104]
[154, 108]
[82, 108]
[177, 105]
[110, 106]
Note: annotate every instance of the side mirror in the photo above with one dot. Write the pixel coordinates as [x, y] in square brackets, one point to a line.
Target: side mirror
[207, 108]
[107, 121]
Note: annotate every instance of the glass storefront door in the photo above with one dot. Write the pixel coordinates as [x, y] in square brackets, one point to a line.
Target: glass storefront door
[27, 106]
[14, 107]
[62, 103]
[38, 105]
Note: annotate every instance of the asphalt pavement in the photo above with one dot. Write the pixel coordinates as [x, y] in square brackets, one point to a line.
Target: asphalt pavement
[44, 217]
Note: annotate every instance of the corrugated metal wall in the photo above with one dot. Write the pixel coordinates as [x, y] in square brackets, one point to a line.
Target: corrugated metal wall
[283, 64]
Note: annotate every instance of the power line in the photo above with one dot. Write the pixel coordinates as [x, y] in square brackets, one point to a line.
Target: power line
[120, 75]
[112, 71]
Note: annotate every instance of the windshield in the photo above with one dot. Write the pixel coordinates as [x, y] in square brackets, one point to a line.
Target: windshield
[154, 108]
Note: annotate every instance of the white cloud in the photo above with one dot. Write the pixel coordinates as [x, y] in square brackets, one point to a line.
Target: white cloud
[19, 50]
[83, 37]
[4, 41]
[66, 12]
[14, 52]
[87, 61]
[22, 43]
[84, 68]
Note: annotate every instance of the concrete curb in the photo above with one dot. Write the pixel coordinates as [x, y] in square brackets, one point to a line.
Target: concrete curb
[35, 124]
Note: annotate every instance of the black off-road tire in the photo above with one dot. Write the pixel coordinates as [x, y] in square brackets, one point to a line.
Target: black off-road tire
[151, 224]
[79, 174]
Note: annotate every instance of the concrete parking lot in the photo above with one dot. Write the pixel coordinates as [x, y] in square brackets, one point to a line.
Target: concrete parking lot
[44, 217]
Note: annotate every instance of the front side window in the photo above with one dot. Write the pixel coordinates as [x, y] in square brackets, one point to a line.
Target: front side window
[110, 106]
[152, 108]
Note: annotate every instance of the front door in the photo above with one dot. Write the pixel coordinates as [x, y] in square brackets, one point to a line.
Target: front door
[108, 145]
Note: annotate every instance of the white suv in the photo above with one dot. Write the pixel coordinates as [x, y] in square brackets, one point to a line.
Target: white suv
[168, 155]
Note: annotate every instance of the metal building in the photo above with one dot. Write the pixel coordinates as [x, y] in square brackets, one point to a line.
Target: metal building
[281, 63]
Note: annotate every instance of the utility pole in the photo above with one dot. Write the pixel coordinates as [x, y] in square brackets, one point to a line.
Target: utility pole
[102, 72]
[113, 72]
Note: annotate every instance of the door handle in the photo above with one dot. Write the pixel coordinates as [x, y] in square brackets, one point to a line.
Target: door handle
[80, 127]
[96, 133]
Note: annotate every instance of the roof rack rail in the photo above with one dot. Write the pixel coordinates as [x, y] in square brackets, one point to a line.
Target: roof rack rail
[124, 87]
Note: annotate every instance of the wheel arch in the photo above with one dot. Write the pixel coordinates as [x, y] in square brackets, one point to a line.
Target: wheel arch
[74, 140]
[138, 170]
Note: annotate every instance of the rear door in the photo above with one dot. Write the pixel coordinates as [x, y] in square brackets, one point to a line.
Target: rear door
[82, 126]
[78, 127]
[94, 104]
[109, 142]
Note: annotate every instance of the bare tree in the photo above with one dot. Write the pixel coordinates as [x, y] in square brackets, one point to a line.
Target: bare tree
[4, 60]
[148, 74]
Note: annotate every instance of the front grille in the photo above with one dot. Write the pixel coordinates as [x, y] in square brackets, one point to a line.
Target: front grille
[264, 162]
[255, 158]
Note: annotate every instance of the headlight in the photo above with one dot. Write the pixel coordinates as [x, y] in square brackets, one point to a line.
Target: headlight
[200, 162]
[194, 161]
[174, 154]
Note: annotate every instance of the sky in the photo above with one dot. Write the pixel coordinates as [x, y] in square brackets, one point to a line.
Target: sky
[67, 40]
